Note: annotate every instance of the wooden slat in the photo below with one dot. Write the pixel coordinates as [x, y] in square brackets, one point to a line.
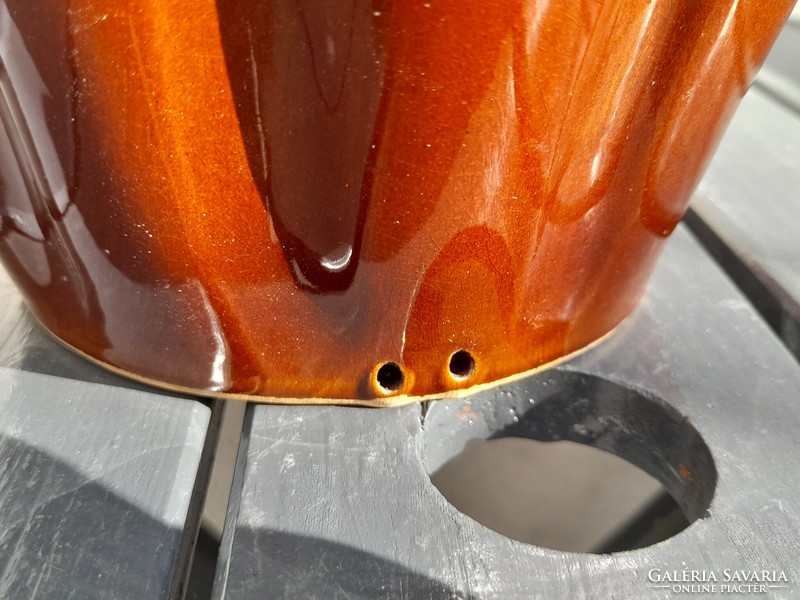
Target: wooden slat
[747, 208]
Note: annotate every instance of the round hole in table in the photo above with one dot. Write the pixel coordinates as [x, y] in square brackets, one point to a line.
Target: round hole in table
[570, 461]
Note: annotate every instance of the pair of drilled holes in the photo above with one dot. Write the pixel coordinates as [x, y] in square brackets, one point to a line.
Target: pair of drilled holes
[390, 376]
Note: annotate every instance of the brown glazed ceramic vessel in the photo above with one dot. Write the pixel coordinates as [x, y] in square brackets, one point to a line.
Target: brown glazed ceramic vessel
[353, 201]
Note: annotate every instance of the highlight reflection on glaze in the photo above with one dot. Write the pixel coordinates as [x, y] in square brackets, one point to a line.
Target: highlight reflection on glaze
[277, 198]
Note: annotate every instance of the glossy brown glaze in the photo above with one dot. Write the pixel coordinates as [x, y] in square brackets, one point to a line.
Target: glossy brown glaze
[328, 199]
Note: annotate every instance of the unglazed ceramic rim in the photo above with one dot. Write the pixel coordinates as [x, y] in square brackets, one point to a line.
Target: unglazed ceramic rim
[388, 400]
